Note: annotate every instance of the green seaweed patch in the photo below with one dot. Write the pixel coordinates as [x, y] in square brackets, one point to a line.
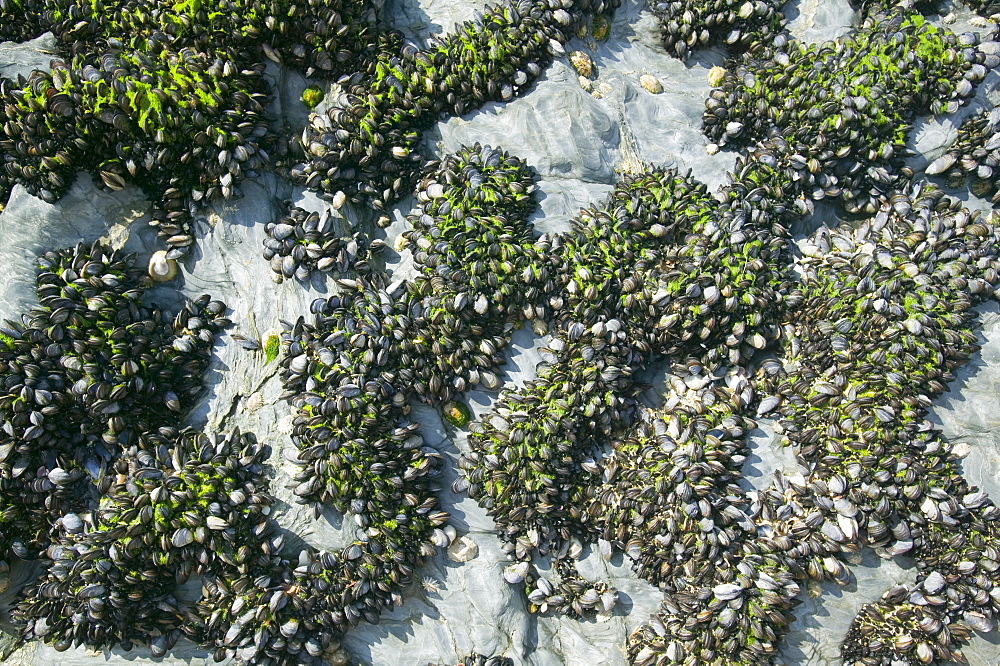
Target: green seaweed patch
[271, 347]
[312, 96]
[456, 413]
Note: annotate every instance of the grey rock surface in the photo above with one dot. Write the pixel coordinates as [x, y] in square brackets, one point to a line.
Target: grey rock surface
[577, 139]
[969, 415]
[819, 20]
[27, 56]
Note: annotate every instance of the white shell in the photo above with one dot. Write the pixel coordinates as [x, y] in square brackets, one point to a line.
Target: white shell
[462, 549]
[255, 401]
[516, 573]
[715, 75]
[960, 449]
[162, 269]
[285, 425]
[440, 539]
[727, 591]
[934, 582]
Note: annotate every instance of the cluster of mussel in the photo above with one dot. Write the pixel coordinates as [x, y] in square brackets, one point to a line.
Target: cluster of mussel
[631, 281]
[96, 479]
[739, 24]
[86, 373]
[133, 117]
[303, 241]
[145, 86]
[729, 581]
[292, 613]
[846, 105]
[984, 7]
[30, 23]
[203, 108]
[372, 347]
[483, 660]
[704, 283]
[713, 288]
[369, 148]
[973, 156]
[660, 270]
[866, 7]
[176, 504]
[472, 241]
[330, 38]
[895, 293]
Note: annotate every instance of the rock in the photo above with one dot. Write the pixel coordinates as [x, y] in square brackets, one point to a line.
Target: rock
[462, 549]
[26, 57]
[813, 21]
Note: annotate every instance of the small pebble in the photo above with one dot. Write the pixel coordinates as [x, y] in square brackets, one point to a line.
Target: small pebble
[462, 549]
